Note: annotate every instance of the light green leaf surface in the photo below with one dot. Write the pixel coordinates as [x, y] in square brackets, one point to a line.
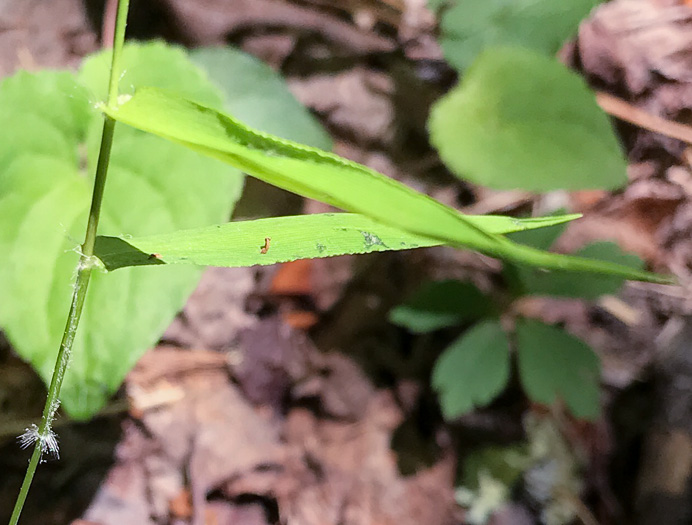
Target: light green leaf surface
[434, 5]
[520, 120]
[151, 64]
[326, 177]
[256, 94]
[472, 370]
[589, 287]
[440, 304]
[45, 187]
[554, 365]
[540, 238]
[470, 26]
[239, 243]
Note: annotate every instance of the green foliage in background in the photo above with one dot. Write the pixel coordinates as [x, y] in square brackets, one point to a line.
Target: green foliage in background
[556, 365]
[467, 374]
[255, 94]
[522, 120]
[47, 165]
[519, 119]
[442, 304]
[467, 27]
[474, 369]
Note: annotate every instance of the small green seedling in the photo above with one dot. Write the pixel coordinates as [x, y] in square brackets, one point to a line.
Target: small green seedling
[552, 364]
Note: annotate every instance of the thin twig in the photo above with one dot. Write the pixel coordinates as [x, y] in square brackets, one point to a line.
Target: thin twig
[625, 111]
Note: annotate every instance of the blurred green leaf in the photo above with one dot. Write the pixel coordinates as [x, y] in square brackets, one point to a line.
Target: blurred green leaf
[554, 365]
[256, 94]
[542, 239]
[589, 287]
[470, 26]
[440, 304]
[520, 120]
[473, 369]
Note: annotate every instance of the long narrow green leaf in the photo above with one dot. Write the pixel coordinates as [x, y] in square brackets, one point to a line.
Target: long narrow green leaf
[282, 239]
[329, 178]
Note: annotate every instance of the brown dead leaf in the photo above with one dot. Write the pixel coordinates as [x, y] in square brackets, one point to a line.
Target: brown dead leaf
[210, 22]
[38, 36]
[293, 278]
[641, 51]
[357, 102]
[319, 454]
[215, 313]
[634, 40]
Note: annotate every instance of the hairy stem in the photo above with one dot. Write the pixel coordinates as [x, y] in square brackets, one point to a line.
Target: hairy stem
[43, 435]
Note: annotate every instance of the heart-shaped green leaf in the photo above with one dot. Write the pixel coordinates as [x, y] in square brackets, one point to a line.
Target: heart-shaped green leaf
[522, 120]
[473, 369]
[45, 186]
[554, 365]
[326, 177]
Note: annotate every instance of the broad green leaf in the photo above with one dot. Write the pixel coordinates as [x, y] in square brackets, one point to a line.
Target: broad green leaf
[326, 177]
[522, 120]
[440, 304]
[151, 64]
[565, 284]
[45, 188]
[472, 370]
[554, 365]
[242, 243]
[54, 100]
[470, 26]
[255, 94]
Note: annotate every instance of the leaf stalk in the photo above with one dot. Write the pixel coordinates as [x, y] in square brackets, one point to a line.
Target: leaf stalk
[43, 437]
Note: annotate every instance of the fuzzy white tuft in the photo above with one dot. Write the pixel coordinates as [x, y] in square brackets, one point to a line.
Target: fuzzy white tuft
[48, 440]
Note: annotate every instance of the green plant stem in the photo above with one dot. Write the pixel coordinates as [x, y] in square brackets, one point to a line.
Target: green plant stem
[44, 437]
